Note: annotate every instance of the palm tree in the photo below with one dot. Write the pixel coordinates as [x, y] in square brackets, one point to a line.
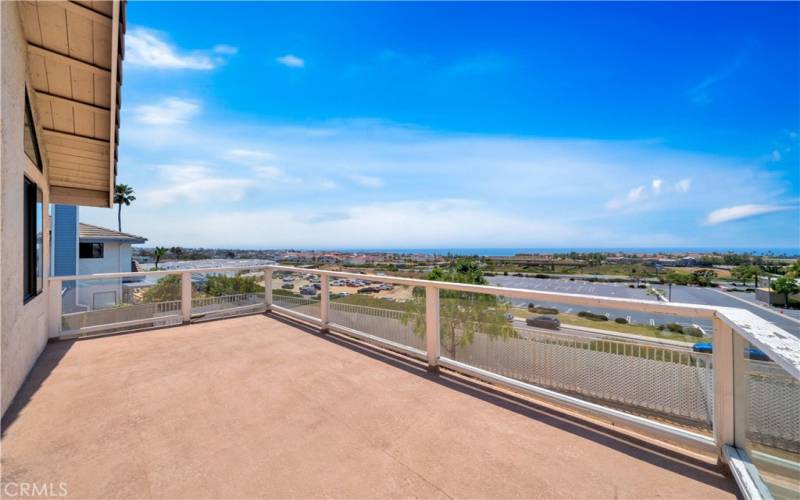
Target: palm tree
[123, 194]
[158, 253]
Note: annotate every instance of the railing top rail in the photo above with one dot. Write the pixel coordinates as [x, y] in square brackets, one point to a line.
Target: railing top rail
[780, 345]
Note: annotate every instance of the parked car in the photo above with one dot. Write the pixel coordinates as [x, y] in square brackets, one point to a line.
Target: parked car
[287, 286]
[308, 290]
[548, 322]
[316, 286]
[753, 353]
[368, 289]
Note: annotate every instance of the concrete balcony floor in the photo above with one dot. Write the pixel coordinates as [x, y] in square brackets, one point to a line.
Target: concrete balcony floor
[258, 406]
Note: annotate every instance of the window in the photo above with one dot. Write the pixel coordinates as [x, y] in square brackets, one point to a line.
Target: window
[32, 240]
[31, 144]
[91, 250]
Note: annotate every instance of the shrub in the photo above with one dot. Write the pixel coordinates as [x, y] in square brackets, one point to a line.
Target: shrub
[592, 316]
[672, 327]
[542, 310]
[693, 331]
[621, 321]
[166, 289]
[541, 276]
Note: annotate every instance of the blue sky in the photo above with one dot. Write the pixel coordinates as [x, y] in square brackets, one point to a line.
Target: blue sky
[461, 125]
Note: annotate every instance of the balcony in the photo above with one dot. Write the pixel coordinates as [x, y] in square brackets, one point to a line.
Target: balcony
[326, 397]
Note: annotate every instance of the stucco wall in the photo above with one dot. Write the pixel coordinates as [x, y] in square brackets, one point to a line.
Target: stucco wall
[23, 328]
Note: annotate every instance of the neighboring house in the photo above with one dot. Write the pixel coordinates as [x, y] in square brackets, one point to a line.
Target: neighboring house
[60, 122]
[80, 248]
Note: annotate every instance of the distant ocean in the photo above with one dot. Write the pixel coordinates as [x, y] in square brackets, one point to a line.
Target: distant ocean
[500, 252]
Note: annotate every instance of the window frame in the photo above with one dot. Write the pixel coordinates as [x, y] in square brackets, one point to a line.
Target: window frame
[37, 161]
[32, 247]
[94, 246]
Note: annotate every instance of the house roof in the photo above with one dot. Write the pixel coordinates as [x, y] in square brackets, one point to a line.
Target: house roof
[92, 233]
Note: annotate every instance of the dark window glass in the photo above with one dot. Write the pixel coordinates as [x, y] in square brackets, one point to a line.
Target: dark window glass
[91, 250]
[31, 144]
[32, 240]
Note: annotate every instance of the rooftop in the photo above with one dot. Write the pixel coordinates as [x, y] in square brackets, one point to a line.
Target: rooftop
[90, 232]
[262, 406]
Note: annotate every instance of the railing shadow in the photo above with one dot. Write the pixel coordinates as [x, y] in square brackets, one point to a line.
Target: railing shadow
[50, 358]
[660, 456]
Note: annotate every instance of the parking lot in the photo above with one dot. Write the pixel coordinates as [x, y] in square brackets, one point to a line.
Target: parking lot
[615, 290]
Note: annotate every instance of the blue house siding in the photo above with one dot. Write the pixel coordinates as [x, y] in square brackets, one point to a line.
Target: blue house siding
[65, 240]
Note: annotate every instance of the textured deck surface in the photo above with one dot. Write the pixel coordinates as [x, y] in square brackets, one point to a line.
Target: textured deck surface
[259, 407]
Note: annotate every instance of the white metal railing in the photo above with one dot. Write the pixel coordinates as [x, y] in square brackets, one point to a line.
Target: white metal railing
[734, 328]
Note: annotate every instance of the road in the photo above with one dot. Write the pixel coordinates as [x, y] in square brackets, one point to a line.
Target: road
[712, 297]
[523, 329]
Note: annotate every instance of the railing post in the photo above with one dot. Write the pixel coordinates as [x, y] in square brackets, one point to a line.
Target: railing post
[186, 297]
[324, 303]
[741, 391]
[723, 376]
[432, 339]
[268, 289]
[54, 307]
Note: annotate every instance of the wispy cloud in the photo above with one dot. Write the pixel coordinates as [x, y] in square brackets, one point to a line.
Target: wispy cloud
[701, 93]
[227, 50]
[637, 195]
[195, 184]
[149, 48]
[740, 212]
[249, 156]
[367, 181]
[291, 61]
[169, 111]
[683, 185]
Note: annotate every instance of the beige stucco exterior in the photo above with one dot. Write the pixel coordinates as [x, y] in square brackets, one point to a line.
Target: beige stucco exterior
[23, 327]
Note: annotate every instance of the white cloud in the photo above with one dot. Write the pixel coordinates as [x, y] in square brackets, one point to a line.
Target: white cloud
[636, 193]
[291, 61]
[225, 49]
[249, 156]
[169, 111]
[656, 185]
[295, 169]
[367, 181]
[145, 47]
[739, 212]
[196, 184]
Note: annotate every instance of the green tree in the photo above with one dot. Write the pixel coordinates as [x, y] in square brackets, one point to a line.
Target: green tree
[462, 315]
[177, 252]
[785, 285]
[703, 277]
[166, 289]
[123, 195]
[746, 272]
[158, 253]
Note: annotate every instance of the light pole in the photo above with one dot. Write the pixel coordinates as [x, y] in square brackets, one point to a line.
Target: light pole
[669, 294]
